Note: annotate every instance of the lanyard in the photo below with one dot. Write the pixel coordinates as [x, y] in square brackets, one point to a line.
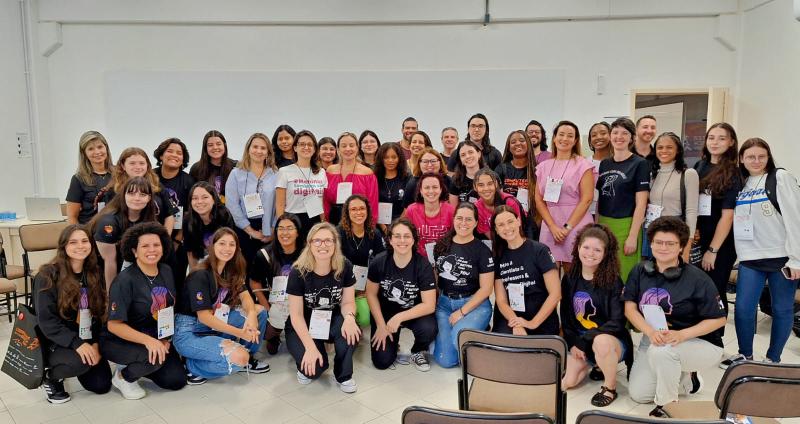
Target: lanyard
[665, 187]
[563, 173]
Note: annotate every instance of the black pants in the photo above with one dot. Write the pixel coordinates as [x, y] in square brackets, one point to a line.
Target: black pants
[168, 375]
[179, 267]
[249, 245]
[65, 363]
[306, 223]
[342, 360]
[424, 329]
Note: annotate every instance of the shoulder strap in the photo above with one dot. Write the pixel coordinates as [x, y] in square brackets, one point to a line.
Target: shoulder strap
[266, 255]
[683, 195]
[772, 189]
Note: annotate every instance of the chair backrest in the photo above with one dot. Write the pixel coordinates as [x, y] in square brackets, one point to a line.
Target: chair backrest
[3, 260]
[63, 209]
[421, 415]
[510, 361]
[606, 417]
[760, 389]
[40, 237]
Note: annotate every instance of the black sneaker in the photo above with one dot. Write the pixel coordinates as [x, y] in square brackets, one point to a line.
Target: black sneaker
[256, 367]
[659, 412]
[735, 358]
[54, 389]
[596, 375]
[194, 380]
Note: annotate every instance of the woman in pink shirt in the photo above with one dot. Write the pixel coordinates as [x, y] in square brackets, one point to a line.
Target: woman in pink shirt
[487, 185]
[430, 213]
[565, 188]
[346, 178]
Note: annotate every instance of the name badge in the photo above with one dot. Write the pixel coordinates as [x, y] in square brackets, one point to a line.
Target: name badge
[360, 272]
[655, 317]
[653, 212]
[742, 227]
[85, 324]
[278, 291]
[278, 314]
[320, 326]
[472, 200]
[100, 206]
[593, 207]
[178, 219]
[343, 191]
[385, 213]
[253, 206]
[222, 312]
[516, 297]
[552, 191]
[313, 204]
[166, 322]
[522, 196]
[429, 251]
[488, 243]
[704, 205]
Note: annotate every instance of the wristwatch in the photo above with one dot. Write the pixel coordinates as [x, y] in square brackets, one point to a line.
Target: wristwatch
[712, 250]
[567, 226]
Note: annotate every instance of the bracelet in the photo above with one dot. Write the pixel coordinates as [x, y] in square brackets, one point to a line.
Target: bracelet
[462, 312]
[350, 314]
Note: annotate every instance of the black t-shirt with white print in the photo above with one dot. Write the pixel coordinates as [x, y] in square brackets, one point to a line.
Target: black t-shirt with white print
[460, 268]
[135, 300]
[177, 188]
[400, 288]
[618, 184]
[318, 291]
[686, 301]
[527, 265]
[200, 292]
[512, 178]
[392, 190]
[465, 192]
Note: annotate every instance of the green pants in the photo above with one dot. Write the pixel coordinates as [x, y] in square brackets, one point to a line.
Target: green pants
[621, 227]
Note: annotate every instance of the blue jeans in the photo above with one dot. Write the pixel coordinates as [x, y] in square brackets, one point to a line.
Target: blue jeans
[202, 346]
[749, 285]
[446, 350]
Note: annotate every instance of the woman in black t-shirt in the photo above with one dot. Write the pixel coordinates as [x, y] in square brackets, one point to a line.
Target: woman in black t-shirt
[141, 316]
[214, 165]
[70, 301]
[668, 291]
[205, 216]
[218, 327]
[526, 279]
[84, 197]
[135, 206]
[402, 293]
[322, 309]
[592, 314]
[518, 169]
[468, 162]
[465, 273]
[392, 174]
[270, 268]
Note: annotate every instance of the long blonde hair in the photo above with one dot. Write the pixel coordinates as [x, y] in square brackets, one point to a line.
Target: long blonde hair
[85, 170]
[305, 262]
[269, 162]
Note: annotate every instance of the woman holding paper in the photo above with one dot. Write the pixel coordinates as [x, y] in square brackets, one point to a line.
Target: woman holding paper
[300, 185]
[392, 175]
[270, 269]
[218, 328]
[70, 300]
[322, 309]
[361, 241]
[401, 291]
[677, 308]
[526, 284]
[141, 316]
[348, 177]
[465, 272]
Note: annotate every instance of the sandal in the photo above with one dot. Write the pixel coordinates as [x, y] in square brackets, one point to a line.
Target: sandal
[600, 399]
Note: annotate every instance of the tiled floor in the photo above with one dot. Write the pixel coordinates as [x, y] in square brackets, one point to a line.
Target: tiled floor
[276, 397]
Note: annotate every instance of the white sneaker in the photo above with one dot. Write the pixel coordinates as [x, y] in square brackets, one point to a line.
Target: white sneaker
[348, 386]
[302, 379]
[130, 391]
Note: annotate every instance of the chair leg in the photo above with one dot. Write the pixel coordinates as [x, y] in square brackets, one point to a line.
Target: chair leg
[8, 305]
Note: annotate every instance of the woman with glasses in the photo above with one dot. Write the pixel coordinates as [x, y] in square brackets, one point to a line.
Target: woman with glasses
[465, 272]
[431, 162]
[322, 309]
[678, 310]
[766, 230]
[401, 292]
[300, 186]
[674, 188]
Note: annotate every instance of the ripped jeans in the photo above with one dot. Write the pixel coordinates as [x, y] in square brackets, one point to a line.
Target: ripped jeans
[203, 347]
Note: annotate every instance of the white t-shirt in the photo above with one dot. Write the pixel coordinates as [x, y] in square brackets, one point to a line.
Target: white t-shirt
[300, 183]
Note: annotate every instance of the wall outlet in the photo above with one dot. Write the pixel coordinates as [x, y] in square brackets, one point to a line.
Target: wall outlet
[23, 145]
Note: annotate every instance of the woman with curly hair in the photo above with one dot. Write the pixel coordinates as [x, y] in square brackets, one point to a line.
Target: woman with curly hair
[592, 313]
[70, 300]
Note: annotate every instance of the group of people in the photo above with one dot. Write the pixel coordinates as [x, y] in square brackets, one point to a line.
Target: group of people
[181, 277]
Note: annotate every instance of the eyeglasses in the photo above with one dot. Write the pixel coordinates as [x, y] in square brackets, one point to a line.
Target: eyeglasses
[476, 126]
[287, 229]
[402, 236]
[428, 161]
[750, 158]
[322, 242]
[665, 243]
[311, 145]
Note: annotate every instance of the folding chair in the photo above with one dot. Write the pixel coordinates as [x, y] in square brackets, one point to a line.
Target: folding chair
[37, 238]
[8, 273]
[420, 415]
[606, 417]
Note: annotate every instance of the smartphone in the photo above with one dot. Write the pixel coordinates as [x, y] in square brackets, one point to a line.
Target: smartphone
[787, 272]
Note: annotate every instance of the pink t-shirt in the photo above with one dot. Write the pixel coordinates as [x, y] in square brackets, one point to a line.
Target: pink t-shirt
[485, 215]
[430, 229]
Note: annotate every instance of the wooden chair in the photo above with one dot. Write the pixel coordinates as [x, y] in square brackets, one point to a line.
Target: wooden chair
[37, 238]
[762, 391]
[606, 417]
[420, 415]
[8, 273]
[512, 374]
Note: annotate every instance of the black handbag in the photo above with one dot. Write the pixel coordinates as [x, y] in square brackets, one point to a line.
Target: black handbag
[24, 361]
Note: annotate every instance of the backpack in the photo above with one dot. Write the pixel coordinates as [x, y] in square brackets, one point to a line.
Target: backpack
[772, 189]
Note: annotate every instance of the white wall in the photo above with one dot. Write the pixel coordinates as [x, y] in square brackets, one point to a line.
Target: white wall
[633, 50]
[769, 92]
